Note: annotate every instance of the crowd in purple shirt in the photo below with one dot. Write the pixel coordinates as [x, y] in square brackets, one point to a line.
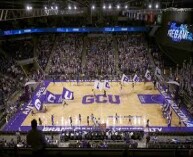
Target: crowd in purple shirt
[66, 59]
[132, 54]
[100, 58]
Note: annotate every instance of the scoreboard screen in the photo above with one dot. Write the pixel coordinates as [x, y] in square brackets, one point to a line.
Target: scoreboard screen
[175, 36]
[179, 32]
[176, 29]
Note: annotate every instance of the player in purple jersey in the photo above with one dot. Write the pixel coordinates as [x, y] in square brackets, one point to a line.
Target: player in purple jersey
[52, 119]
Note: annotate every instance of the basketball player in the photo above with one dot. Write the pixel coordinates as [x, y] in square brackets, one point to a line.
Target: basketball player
[169, 122]
[170, 113]
[70, 121]
[105, 93]
[72, 96]
[144, 79]
[40, 121]
[180, 123]
[53, 80]
[79, 117]
[52, 119]
[130, 119]
[154, 84]
[93, 93]
[94, 122]
[92, 116]
[121, 86]
[133, 84]
[87, 120]
[147, 124]
[116, 118]
[64, 103]
[45, 108]
[97, 123]
[32, 112]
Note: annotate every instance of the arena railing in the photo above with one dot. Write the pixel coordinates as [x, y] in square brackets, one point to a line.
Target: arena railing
[88, 152]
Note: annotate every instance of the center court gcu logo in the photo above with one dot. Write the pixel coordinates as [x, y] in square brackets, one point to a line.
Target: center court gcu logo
[111, 99]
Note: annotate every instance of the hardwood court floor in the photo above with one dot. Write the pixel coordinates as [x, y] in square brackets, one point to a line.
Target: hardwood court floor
[129, 105]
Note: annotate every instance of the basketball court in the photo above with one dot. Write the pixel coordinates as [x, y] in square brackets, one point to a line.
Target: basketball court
[126, 102]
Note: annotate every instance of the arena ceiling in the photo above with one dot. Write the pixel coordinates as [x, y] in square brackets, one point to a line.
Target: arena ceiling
[20, 4]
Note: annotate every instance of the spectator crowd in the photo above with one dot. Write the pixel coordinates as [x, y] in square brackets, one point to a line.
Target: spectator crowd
[66, 59]
[100, 58]
[44, 48]
[133, 56]
[185, 76]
